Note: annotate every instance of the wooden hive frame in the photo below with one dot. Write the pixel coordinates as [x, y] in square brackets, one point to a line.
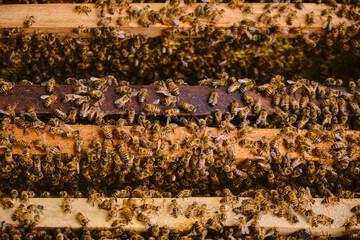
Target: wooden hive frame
[62, 22]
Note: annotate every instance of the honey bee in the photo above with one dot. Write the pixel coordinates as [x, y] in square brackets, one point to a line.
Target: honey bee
[122, 101]
[191, 210]
[249, 101]
[50, 99]
[60, 114]
[7, 203]
[174, 208]
[144, 219]
[310, 18]
[188, 107]
[352, 85]
[145, 152]
[213, 98]
[97, 94]
[81, 29]
[141, 96]
[32, 114]
[328, 24]
[106, 132]
[4, 123]
[50, 85]
[118, 223]
[199, 228]
[233, 87]
[247, 9]
[174, 89]
[170, 100]
[150, 108]
[70, 98]
[29, 21]
[171, 112]
[285, 102]
[66, 205]
[81, 219]
[323, 219]
[291, 17]
[243, 113]
[330, 200]
[82, 9]
[246, 85]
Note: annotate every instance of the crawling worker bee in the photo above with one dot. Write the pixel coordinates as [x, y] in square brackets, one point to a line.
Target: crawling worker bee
[60, 114]
[141, 96]
[5, 87]
[81, 219]
[174, 208]
[188, 107]
[82, 9]
[29, 21]
[174, 89]
[66, 205]
[150, 108]
[50, 85]
[213, 98]
[50, 99]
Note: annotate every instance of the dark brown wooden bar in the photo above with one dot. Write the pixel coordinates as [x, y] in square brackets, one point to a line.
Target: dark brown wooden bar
[29, 95]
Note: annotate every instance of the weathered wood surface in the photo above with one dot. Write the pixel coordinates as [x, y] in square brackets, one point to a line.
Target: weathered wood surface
[53, 215]
[198, 96]
[61, 18]
[91, 132]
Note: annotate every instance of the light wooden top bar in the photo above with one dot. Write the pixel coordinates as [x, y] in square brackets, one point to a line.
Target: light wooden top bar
[61, 19]
[53, 215]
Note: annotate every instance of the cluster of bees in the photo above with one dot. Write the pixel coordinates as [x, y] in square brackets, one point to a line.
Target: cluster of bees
[153, 233]
[139, 59]
[149, 161]
[136, 163]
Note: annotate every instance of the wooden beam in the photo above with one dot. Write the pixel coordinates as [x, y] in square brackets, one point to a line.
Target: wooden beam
[53, 215]
[89, 133]
[198, 96]
[61, 18]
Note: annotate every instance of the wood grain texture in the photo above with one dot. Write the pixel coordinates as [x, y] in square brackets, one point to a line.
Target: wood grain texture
[53, 215]
[91, 132]
[29, 95]
[61, 18]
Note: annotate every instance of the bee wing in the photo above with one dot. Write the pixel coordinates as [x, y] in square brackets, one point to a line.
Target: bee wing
[242, 80]
[118, 101]
[44, 83]
[268, 234]
[134, 93]
[166, 93]
[248, 34]
[4, 112]
[290, 81]
[258, 120]
[79, 83]
[44, 96]
[324, 26]
[157, 101]
[297, 162]
[94, 78]
[329, 192]
[308, 191]
[84, 112]
[262, 87]
[316, 86]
